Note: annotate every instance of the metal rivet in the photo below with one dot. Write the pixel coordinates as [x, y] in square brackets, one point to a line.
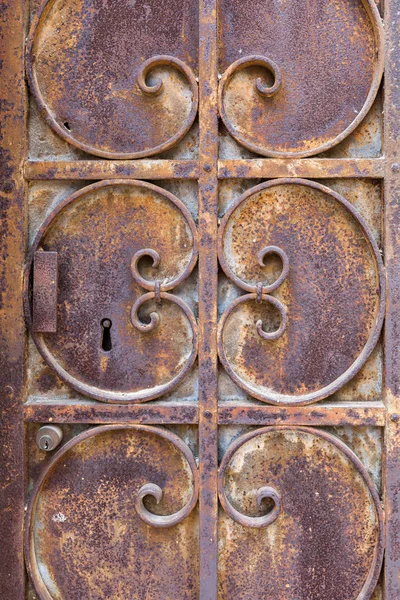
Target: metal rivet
[395, 418]
[395, 167]
[207, 168]
[49, 437]
[207, 414]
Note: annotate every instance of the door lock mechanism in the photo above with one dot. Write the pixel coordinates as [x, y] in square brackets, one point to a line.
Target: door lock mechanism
[49, 437]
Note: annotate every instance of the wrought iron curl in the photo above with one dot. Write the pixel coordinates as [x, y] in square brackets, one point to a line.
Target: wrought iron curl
[168, 61]
[246, 520]
[265, 90]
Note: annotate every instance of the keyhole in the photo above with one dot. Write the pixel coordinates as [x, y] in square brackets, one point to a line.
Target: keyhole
[106, 343]
[46, 445]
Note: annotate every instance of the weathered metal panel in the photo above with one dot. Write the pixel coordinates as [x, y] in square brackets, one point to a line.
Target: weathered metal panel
[148, 87]
[288, 87]
[322, 534]
[121, 247]
[112, 513]
[300, 515]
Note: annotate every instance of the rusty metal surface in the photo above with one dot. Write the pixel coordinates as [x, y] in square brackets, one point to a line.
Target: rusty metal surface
[208, 299]
[12, 333]
[119, 80]
[326, 540]
[272, 168]
[138, 169]
[392, 334]
[134, 61]
[114, 342]
[324, 320]
[288, 87]
[44, 293]
[88, 532]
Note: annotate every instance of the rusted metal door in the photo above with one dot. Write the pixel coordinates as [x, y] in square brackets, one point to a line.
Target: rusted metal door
[201, 206]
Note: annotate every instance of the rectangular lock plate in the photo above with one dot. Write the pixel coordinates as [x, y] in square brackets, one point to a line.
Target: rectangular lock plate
[45, 288]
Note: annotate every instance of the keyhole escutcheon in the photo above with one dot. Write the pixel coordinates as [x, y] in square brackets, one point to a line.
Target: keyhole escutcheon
[106, 343]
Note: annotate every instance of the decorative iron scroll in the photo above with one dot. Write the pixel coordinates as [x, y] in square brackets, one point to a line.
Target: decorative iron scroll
[328, 313]
[325, 528]
[99, 482]
[100, 234]
[94, 89]
[290, 91]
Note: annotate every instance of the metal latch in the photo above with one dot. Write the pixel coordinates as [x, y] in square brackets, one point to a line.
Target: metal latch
[44, 317]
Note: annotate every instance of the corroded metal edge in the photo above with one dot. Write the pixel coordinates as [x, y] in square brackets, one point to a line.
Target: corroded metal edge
[375, 570]
[30, 557]
[91, 391]
[12, 333]
[208, 299]
[273, 397]
[392, 331]
[374, 16]
[146, 67]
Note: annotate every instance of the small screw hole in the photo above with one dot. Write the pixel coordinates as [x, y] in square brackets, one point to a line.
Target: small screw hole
[106, 343]
[66, 125]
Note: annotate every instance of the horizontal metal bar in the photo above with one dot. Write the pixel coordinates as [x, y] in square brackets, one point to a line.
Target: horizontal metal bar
[356, 413]
[96, 412]
[76, 411]
[106, 169]
[255, 168]
[309, 168]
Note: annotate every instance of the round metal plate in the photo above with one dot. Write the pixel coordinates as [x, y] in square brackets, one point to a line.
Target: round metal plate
[327, 540]
[96, 232]
[102, 79]
[331, 300]
[299, 76]
[84, 537]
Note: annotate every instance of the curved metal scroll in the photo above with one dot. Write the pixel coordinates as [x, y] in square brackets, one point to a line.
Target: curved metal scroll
[173, 274]
[241, 259]
[301, 450]
[125, 91]
[255, 522]
[60, 460]
[279, 120]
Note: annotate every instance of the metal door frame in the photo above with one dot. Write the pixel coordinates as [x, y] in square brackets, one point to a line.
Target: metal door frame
[16, 171]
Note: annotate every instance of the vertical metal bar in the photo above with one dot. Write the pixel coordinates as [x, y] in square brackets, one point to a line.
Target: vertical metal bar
[12, 208]
[208, 292]
[392, 329]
